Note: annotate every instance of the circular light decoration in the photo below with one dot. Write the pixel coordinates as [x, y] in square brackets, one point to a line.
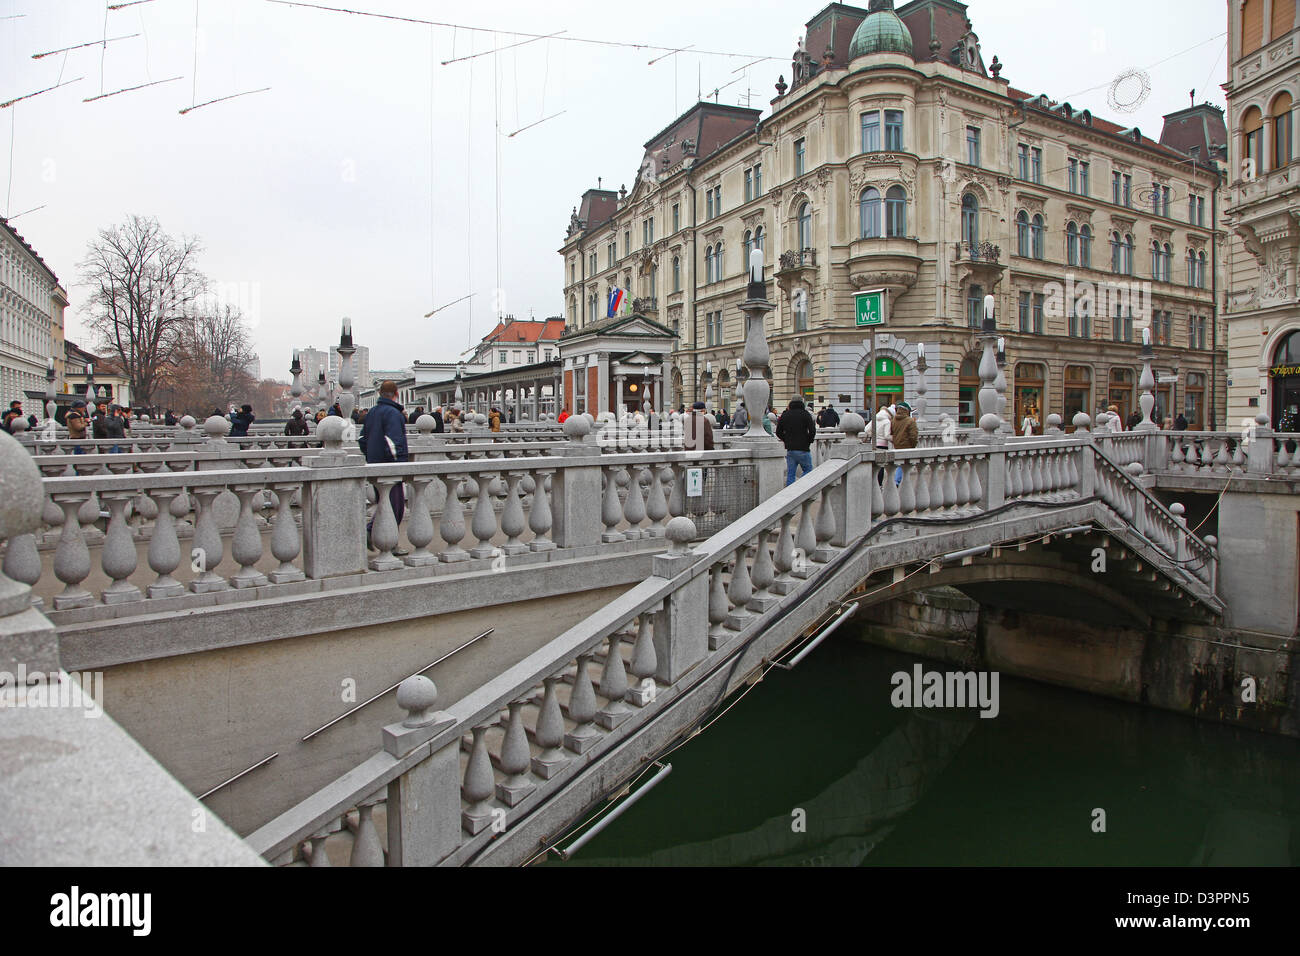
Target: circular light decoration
[632, 387]
[1129, 91]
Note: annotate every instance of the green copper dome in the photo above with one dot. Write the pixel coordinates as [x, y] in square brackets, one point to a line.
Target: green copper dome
[881, 32]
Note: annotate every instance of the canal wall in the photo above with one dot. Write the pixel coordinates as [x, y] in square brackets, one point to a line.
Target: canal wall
[1244, 678]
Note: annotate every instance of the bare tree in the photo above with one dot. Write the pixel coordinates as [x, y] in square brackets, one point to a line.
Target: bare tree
[143, 283]
[218, 339]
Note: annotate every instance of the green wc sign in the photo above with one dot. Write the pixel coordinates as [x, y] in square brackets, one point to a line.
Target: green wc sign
[870, 307]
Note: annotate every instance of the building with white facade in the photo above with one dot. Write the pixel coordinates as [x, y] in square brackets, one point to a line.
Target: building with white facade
[32, 305]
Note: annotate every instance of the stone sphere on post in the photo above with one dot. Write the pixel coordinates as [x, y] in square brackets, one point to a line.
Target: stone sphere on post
[216, 427]
[576, 427]
[853, 425]
[330, 432]
[417, 695]
[20, 513]
[680, 532]
[1082, 422]
[425, 424]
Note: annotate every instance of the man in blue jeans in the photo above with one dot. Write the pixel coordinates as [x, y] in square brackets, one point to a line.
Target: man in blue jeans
[797, 430]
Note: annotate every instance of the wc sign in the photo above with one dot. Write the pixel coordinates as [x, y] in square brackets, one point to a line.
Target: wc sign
[694, 482]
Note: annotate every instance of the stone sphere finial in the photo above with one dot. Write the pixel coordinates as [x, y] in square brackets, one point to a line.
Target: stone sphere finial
[425, 424]
[1178, 510]
[1134, 468]
[990, 422]
[216, 426]
[19, 424]
[416, 695]
[330, 431]
[680, 532]
[23, 500]
[187, 422]
[1212, 541]
[576, 427]
[1054, 422]
[1261, 420]
[853, 424]
[1082, 422]
[480, 419]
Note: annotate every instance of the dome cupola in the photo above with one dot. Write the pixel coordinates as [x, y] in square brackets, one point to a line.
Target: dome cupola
[881, 32]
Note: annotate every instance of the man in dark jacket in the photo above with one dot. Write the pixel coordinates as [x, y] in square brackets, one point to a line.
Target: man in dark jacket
[438, 424]
[797, 431]
[828, 417]
[697, 430]
[240, 421]
[385, 441]
[415, 415]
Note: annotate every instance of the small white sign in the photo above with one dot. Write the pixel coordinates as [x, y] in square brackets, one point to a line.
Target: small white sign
[694, 482]
[1167, 379]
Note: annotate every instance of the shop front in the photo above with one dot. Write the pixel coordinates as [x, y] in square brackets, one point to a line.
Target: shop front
[1030, 381]
[889, 384]
[1284, 382]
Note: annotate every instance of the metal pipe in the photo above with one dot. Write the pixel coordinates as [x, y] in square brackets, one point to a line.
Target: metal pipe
[966, 553]
[398, 684]
[264, 760]
[808, 648]
[578, 844]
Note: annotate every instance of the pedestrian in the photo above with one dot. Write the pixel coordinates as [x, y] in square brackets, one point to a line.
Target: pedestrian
[1134, 420]
[881, 429]
[15, 410]
[169, 418]
[1180, 422]
[385, 441]
[828, 417]
[240, 421]
[107, 425]
[77, 421]
[320, 416]
[562, 417]
[415, 415]
[296, 424]
[697, 430]
[494, 419]
[1029, 423]
[769, 421]
[797, 431]
[903, 434]
[1116, 423]
[740, 420]
[456, 420]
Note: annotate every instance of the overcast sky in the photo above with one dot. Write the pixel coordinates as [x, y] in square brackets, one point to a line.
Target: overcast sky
[363, 183]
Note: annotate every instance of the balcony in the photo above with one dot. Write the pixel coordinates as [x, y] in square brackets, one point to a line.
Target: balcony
[795, 269]
[646, 306]
[978, 252]
[884, 262]
[980, 262]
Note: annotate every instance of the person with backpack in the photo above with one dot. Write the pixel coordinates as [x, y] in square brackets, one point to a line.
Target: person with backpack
[797, 431]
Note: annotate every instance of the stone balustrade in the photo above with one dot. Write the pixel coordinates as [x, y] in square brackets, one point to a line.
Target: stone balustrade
[456, 778]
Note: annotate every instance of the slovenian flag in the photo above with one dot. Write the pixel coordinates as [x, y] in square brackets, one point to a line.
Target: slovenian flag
[615, 303]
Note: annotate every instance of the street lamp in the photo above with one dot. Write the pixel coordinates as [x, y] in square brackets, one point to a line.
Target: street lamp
[347, 401]
[91, 393]
[921, 387]
[295, 370]
[49, 391]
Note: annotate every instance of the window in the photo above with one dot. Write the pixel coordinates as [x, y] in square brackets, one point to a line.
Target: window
[708, 204]
[627, 242]
[1085, 247]
[1039, 301]
[593, 264]
[748, 247]
[650, 230]
[677, 216]
[801, 310]
[975, 307]
[708, 264]
[970, 219]
[677, 274]
[1191, 209]
[799, 157]
[1072, 175]
[1252, 129]
[1200, 273]
[501, 357]
[1038, 233]
[654, 280]
[805, 227]
[717, 262]
[894, 129]
[1022, 234]
[749, 184]
[1024, 311]
[1164, 201]
[896, 211]
[1200, 210]
[1036, 164]
[573, 270]
[1023, 157]
[1281, 113]
[1115, 188]
[1071, 244]
[610, 249]
[1200, 332]
[758, 241]
[1168, 251]
[1080, 325]
[758, 180]
[547, 355]
[871, 132]
[1116, 253]
[1128, 190]
[532, 357]
[973, 145]
[1083, 179]
[869, 213]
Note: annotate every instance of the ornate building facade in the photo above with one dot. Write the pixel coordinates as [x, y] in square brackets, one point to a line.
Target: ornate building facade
[32, 305]
[1263, 211]
[897, 161]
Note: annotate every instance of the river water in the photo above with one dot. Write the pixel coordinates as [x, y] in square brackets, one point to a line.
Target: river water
[817, 767]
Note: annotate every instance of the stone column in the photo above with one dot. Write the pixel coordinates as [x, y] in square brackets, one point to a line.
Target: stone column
[681, 639]
[575, 488]
[619, 384]
[333, 511]
[29, 643]
[424, 822]
[596, 403]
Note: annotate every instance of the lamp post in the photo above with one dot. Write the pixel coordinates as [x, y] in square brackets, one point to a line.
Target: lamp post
[460, 375]
[91, 393]
[707, 379]
[756, 389]
[295, 370]
[1001, 385]
[921, 387]
[988, 393]
[347, 400]
[1148, 385]
[320, 390]
[50, 406]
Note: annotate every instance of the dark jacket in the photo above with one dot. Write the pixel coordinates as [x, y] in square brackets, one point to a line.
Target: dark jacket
[385, 420]
[828, 418]
[904, 430]
[108, 426]
[439, 425]
[297, 425]
[796, 428]
[239, 423]
[698, 431]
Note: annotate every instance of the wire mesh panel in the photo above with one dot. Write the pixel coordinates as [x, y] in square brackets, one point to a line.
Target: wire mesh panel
[727, 491]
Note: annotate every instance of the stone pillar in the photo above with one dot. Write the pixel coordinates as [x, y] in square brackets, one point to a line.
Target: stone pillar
[29, 643]
[757, 391]
[597, 403]
[575, 488]
[990, 421]
[424, 823]
[851, 499]
[1148, 385]
[681, 631]
[333, 511]
[1259, 448]
[620, 382]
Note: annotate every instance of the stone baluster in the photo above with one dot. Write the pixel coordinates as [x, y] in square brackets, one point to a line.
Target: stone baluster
[72, 557]
[208, 548]
[419, 526]
[383, 527]
[634, 509]
[741, 590]
[937, 470]
[582, 710]
[784, 557]
[479, 784]
[656, 504]
[719, 607]
[907, 489]
[22, 563]
[975, 485]
[645, 661]
[1221, 459]
[512, 516]
[824, 527]
[892, 502]
[677, 499]
[539, 513]
[611, 510]
[763, 575]
[366, 848]
[962, 466]
[118, 558]
[452, 525]
[613, 686]
[246, 545]
[550, 733]
[484, 522]
[805, 541]
[318, 841]
[921, 482]
[516, 757]
[286, 540]
[164, 547]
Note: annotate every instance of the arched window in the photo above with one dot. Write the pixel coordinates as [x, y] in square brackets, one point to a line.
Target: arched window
[1085, 247]
[1200, 271]
[970, 219]
[1038, 231]
[1155, 260]
[1281, 115]
[896, 211]
[677, 274]
[1128, 255]
[749, 245]
[1116, 253]
[869, 213]
[1071, 244]
[805, 227]
[1022, 234]
[717, 262]
[758, 241]
[1252, 138]
[708, 264]
[1169, 262]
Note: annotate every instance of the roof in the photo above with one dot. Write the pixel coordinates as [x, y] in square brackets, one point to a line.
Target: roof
[611, 325]
[947, 18]
[881, 32]
[700, 131]
[525, 330]
[1129, 134]
[1199, 127]
[23, 242]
